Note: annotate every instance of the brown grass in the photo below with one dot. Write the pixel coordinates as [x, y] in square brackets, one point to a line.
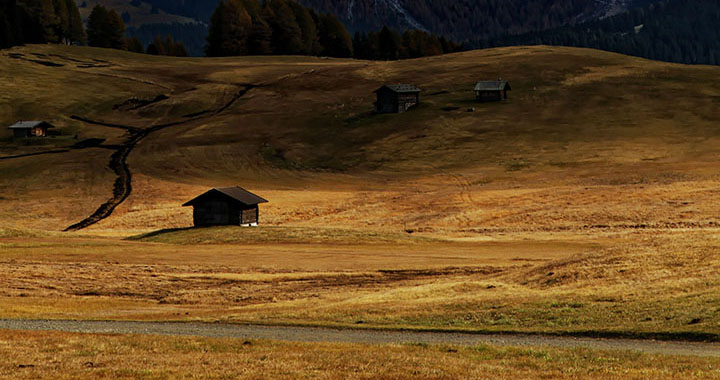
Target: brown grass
[635, 284]
[587, 203]
[32, 355]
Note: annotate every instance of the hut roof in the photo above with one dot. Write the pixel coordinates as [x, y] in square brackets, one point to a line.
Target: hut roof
[30, 124]
[492, 85]
[235, 193]
[400, 88]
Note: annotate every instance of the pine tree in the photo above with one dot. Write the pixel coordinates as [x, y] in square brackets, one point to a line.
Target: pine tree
[62, 21]
[105, 29]
[8, 24]
[308, 28]
[286, 33]
[116, 30]
[97, 27]
[134, 45]
[159, 46]
[76, 31]
[259, 40]
[230, 29]
[28, 21]
[334, 38]
[389, 44]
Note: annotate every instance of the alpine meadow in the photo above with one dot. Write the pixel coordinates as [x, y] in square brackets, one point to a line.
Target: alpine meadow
[325, 196]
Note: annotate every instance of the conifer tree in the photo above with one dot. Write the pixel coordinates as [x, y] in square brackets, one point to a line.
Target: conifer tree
[97, 25]
[134, 45]
[286, 33]
[308, 29]
[116, 30]
[76, 32]
[105, 28]
[389, 44]
[230, 29]
[9, 24]
[334, 38]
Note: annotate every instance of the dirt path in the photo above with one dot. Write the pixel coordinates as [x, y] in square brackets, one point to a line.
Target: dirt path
[118, 161]
[318, 334]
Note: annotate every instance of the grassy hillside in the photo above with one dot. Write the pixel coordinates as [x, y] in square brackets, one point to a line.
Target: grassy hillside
[586, 204]
[587, 140]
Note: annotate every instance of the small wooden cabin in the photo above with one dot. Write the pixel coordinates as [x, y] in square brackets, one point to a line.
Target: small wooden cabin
[492, 90]
[396, 98]
[24, 129]
[227, 206]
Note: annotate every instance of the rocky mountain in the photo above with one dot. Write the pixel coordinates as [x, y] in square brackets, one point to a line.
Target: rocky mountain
[470, 19]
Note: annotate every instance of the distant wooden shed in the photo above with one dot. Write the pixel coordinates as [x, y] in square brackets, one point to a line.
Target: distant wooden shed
[492, 90]
[225, 207]
[24, 129]
[396, 98]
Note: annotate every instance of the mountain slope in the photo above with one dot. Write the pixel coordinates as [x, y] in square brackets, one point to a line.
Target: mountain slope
[468, 19]
[683, 31]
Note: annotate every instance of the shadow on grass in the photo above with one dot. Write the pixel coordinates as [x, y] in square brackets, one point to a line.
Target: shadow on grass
[163, 232]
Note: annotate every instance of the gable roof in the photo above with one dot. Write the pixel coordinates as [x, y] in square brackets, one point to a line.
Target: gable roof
[400, 88]
[235, 193]
[492, 85]
[30, 124]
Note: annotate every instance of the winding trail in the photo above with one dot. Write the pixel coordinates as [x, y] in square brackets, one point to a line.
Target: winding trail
[118, 161]
[35, 154]
[363, 336]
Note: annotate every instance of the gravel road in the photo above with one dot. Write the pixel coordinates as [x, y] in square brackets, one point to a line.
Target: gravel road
[318, 334]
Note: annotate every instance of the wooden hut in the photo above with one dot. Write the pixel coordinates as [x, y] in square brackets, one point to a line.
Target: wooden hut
[396, 98]
[23, 129]
[492, 90]
[226, 206]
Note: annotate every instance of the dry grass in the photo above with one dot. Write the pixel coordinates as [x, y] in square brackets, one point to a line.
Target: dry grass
[587, 203]
[31, 355]
[633, 284]
[568, 150]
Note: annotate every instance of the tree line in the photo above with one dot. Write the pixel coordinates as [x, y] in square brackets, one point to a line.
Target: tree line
[388, 44]
[40, 21]
[247, 27]
[237, 27]
[59, 21]
[105, 28]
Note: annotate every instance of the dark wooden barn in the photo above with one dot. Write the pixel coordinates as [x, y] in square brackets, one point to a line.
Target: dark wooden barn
[23, 129]
[396, 98]
[492, 90]
[226, 206]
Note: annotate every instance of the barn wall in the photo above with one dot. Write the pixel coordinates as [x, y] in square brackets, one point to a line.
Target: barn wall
[488, 96]
[391, 102]
[405, 101]
[386, 102]
[211, 213]
[249, 216]
[21, 133]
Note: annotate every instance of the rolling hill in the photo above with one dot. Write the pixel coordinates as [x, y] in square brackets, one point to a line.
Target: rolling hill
[586, 204]
[619, 141]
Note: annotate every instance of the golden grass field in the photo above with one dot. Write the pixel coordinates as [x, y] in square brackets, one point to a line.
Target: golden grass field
[586, 204]
[72, 356]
